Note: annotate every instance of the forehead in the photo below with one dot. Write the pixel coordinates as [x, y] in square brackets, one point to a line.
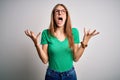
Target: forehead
[60, 7]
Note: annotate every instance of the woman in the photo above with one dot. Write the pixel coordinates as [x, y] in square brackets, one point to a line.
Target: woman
[60, 45]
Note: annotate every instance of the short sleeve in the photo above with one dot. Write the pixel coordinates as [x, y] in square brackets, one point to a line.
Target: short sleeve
[75, 34]
[44, 37]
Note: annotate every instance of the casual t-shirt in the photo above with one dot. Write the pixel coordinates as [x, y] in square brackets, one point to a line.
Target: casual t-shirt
[60, 54]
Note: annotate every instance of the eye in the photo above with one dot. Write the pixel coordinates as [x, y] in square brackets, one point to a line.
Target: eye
[56, 11]
[63, 11]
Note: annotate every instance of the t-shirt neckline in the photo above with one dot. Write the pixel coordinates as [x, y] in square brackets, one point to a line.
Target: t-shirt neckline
[61, 40]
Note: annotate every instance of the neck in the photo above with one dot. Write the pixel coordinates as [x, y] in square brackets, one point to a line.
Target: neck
[60, 30]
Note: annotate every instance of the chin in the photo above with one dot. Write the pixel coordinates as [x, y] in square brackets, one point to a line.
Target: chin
[60, 26]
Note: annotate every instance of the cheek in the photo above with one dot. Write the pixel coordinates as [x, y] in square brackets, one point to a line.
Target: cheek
[55, 18]
[65, 18]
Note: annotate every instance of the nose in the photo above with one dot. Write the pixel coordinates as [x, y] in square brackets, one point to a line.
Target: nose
[59, 12]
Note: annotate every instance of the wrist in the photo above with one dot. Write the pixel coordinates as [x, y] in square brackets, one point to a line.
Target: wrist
[36, 44]
[84, 44]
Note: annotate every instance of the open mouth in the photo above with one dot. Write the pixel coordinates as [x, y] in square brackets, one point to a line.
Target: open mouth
[60, 18]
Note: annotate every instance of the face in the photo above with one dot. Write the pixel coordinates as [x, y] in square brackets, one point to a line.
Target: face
[60, 16]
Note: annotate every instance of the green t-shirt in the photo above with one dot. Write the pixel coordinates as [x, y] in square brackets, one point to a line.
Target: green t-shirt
[59, 53]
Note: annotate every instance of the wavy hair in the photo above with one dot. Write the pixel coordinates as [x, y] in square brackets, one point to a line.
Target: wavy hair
[67, 26]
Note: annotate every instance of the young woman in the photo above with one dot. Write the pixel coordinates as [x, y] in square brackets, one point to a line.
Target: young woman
[60, 45]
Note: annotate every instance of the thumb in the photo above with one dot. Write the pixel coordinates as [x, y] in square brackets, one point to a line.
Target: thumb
[38, 34]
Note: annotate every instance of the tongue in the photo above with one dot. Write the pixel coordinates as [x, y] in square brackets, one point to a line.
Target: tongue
[60, 19]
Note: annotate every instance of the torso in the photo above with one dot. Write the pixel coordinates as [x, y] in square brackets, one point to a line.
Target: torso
[60, 37]
[59, 52]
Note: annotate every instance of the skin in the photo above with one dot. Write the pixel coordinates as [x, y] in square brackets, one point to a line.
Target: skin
[60, 12]
[78, 50]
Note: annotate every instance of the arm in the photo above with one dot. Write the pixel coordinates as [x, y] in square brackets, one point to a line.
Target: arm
[42, 51]
[78, 51]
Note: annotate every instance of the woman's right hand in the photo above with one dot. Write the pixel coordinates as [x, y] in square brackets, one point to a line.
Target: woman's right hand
[34, 37]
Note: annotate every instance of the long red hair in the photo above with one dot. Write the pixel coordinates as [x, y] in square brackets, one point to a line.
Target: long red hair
[67, 26]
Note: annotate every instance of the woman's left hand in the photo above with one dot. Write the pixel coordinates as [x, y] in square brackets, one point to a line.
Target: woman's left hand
[88, 35]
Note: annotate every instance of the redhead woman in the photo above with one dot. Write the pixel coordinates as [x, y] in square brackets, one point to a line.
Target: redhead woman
[60, 45]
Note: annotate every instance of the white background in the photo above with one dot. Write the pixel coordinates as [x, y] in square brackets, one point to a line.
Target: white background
[18, 57]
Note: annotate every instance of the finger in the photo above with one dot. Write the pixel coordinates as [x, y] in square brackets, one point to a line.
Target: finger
[26, 32]
[29, 32]
[96, 33]
[38, 34]
[32, 34]
[93, 32]
[84, 31]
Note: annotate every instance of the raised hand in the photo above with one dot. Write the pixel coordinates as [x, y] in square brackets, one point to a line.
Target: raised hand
[34, 37]
[88, 35]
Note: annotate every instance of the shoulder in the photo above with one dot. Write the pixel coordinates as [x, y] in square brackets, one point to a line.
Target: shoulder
[75, 34]
[45, 31]
[75, 30]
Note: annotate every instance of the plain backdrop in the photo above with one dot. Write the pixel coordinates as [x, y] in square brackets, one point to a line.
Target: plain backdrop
[18, 57]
